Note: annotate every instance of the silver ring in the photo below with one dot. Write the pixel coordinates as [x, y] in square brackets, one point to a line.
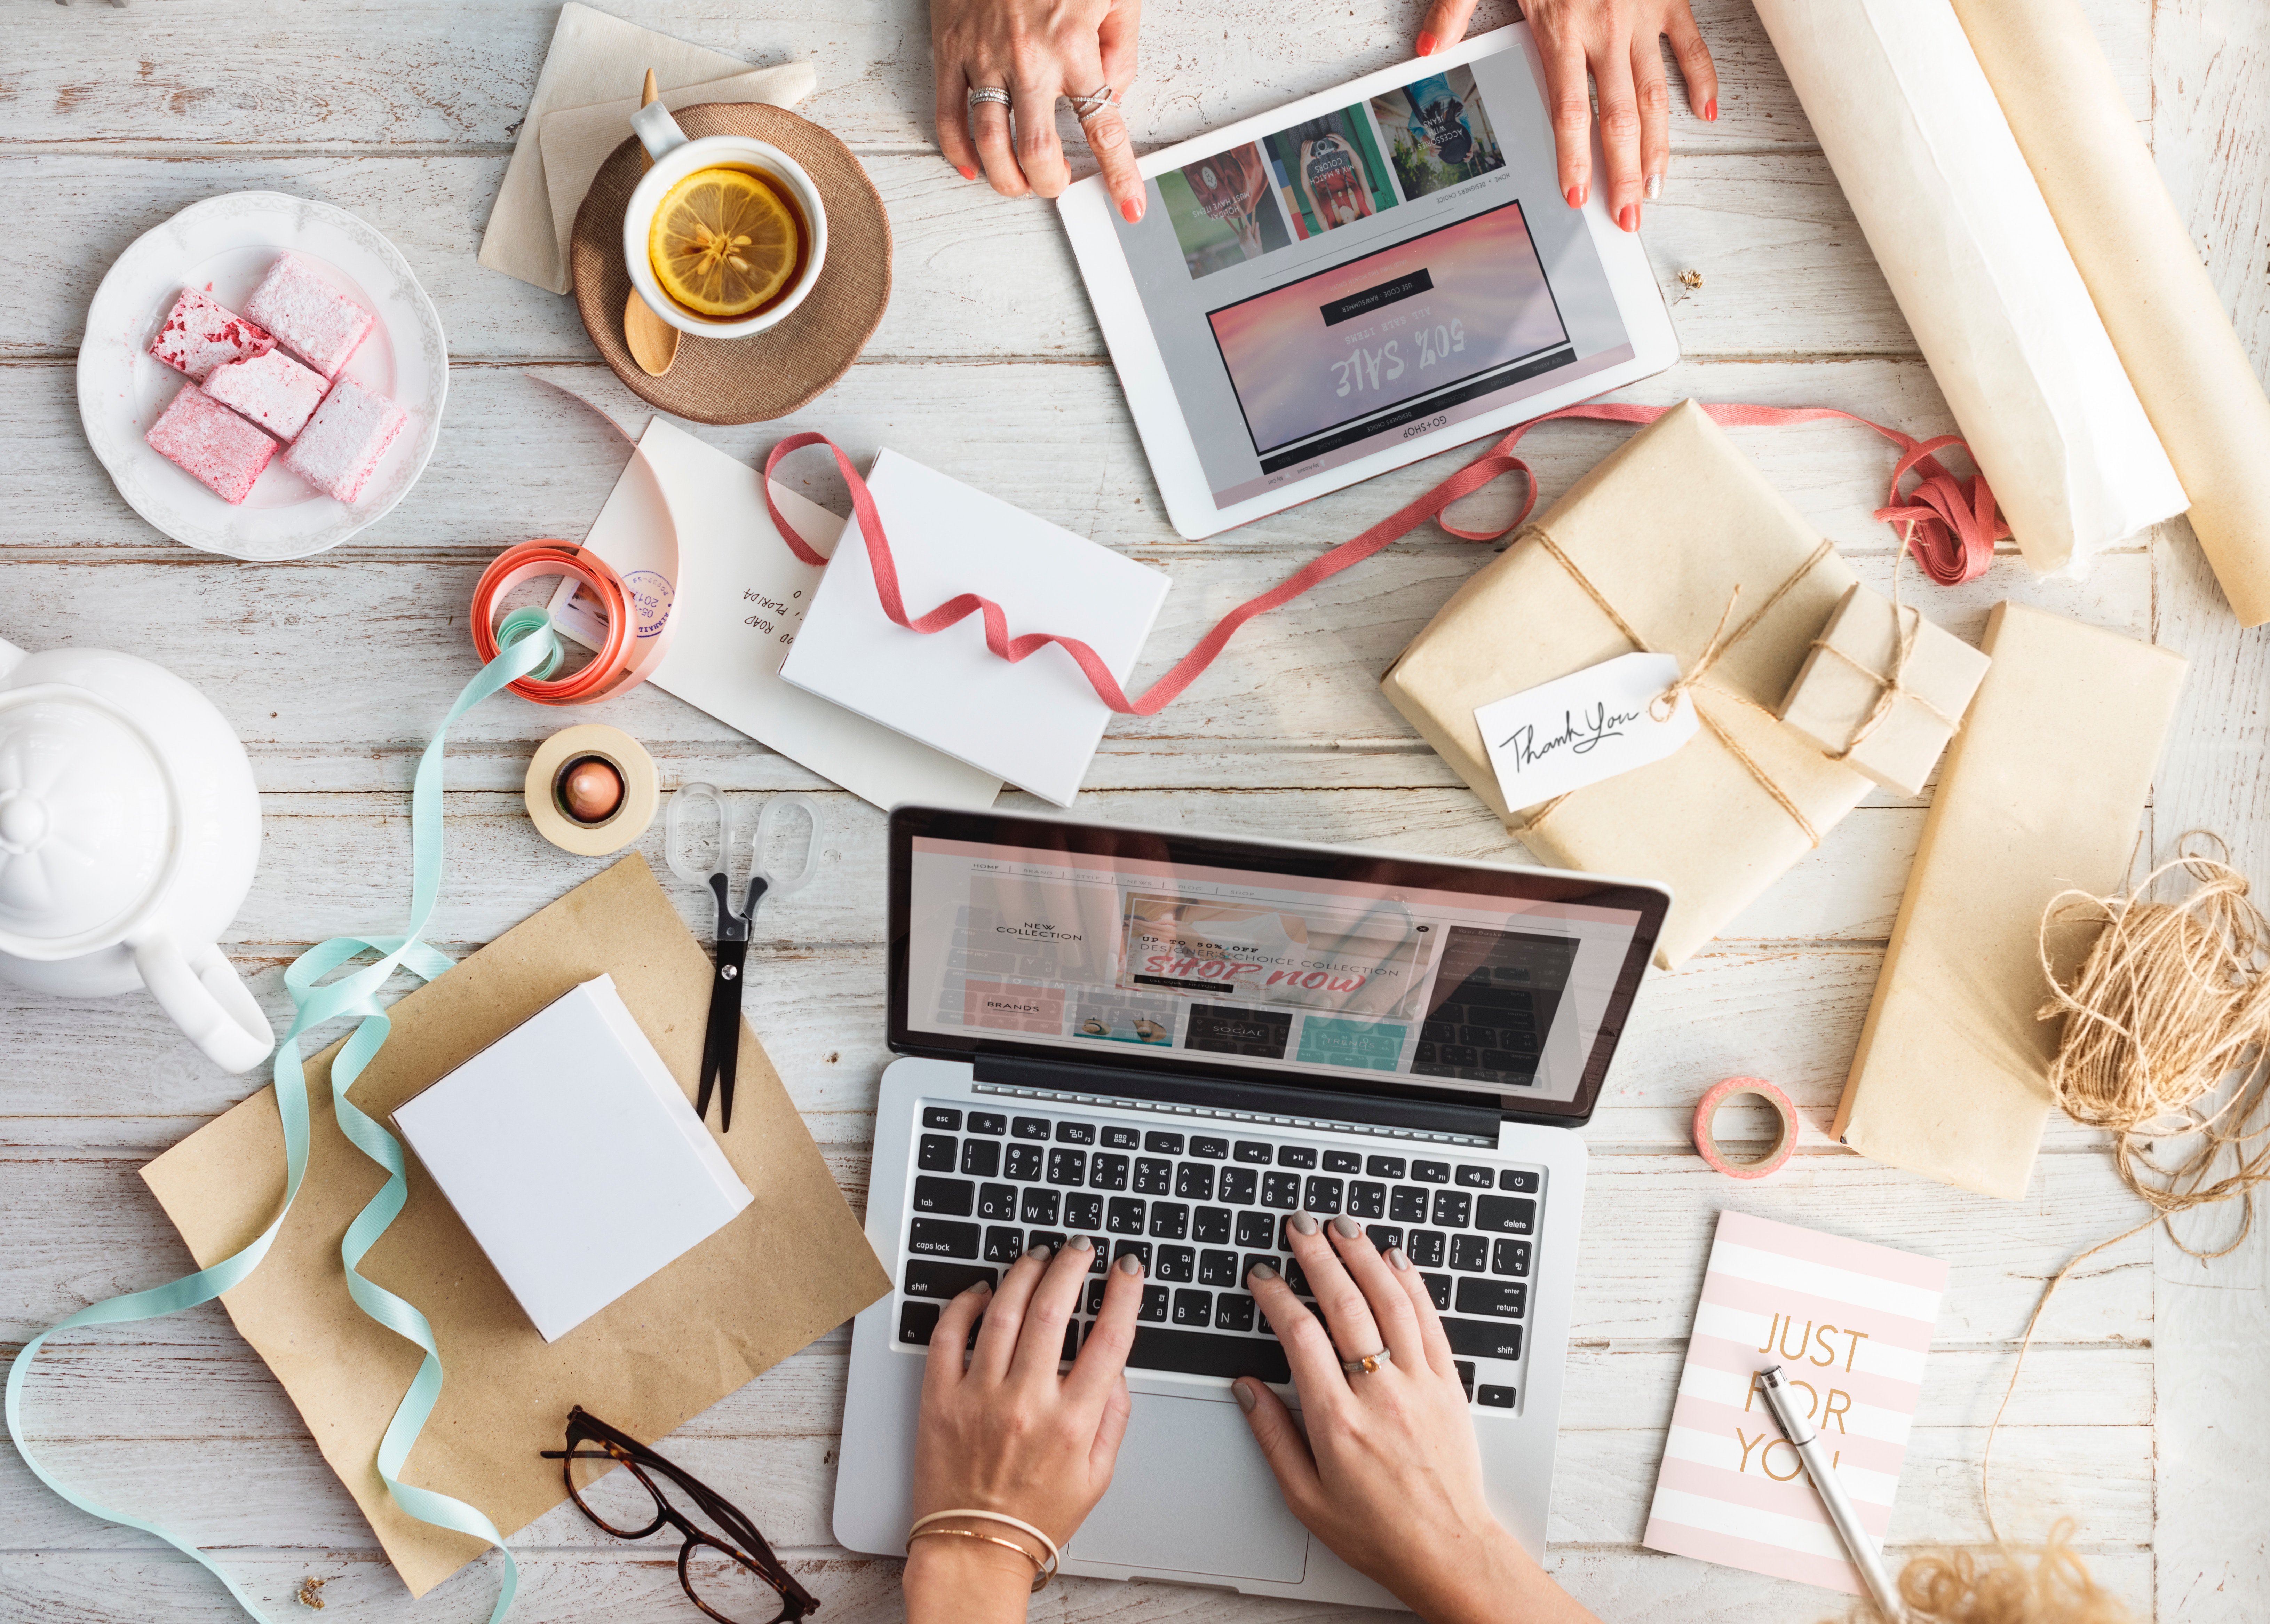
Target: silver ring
[1368, 1364]
[988, 92]
[1098, 101]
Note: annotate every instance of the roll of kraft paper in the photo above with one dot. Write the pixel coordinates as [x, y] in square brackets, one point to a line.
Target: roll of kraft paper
[1936, 180]
[2142, 269]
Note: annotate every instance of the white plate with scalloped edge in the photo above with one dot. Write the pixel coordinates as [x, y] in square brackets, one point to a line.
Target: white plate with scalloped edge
[224, 246]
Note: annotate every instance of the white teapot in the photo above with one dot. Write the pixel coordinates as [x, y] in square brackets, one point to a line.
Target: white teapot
[129, 831]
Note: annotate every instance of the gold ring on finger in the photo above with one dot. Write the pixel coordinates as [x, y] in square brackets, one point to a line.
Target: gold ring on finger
[1369, 1365]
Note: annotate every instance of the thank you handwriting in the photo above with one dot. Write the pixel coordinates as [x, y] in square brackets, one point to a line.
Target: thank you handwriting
[1560, 736]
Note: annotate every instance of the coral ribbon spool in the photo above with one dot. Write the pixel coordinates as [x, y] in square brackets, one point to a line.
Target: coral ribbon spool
[621, 664]
[1774, 1160]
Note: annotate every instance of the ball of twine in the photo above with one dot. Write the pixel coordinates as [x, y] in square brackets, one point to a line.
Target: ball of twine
[2165, 1044]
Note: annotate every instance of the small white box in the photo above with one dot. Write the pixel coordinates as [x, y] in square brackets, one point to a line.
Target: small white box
[573, 1157]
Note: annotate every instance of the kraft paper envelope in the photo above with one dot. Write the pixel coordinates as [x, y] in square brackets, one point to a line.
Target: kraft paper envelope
[793, 1265]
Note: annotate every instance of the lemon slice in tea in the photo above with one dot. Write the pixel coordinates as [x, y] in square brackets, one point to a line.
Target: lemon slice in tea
[723, 243]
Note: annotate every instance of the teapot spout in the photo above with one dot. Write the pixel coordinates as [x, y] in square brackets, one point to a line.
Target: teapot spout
[11, 656]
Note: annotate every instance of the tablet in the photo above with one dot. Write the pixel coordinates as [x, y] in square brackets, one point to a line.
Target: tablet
[1361, 280]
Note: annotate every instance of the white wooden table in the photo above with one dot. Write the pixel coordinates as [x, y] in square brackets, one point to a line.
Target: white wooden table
[2142, 1412]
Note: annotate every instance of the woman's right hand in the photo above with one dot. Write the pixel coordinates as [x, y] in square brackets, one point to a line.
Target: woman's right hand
[1388, 1475]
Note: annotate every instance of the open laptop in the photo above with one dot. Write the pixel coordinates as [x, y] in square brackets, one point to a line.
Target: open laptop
[1173, 1042]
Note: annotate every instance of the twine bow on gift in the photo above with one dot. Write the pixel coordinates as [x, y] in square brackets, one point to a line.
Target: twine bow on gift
[1665, 704]
[1891, 686]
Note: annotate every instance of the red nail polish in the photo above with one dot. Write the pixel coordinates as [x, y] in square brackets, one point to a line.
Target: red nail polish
[966, 174]
[1710, 110]
[1577, 196]
[1426, 45]
[1629, 218]
[1131, 210]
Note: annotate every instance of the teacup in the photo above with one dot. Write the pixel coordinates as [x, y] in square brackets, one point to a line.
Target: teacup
[675, 156]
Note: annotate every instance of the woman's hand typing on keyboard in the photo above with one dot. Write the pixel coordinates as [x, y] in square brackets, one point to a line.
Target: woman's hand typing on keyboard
[1388, 1475]
[1008, 1434]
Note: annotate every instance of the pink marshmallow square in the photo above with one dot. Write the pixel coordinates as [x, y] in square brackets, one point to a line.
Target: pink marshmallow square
[309, 317]
[273, 390]
[200, 333]
[344, 440]
[209, 442]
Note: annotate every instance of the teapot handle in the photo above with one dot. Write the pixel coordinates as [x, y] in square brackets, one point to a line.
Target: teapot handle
[201, 990]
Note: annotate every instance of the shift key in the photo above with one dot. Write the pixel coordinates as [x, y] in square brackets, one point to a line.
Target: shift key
[943, 1195]
[940, 1280]
[939, 1237]
[1473, 1338]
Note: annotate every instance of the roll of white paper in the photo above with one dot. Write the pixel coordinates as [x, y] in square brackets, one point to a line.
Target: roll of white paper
[1928, 163]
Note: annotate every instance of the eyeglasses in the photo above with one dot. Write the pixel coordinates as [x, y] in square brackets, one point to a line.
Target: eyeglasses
[720, 1570]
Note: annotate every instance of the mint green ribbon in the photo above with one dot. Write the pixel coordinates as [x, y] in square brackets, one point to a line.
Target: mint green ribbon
[527, 644]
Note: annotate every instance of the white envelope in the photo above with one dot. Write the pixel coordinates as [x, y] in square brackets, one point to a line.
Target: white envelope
[739, 596]
[1036, 723]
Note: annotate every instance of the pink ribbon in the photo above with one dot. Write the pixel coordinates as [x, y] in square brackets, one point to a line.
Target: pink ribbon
[1948, 524]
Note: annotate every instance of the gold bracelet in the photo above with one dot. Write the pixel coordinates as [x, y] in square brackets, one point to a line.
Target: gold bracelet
[1041, 1572]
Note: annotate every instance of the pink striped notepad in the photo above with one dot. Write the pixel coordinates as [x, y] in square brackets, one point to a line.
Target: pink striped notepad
[1850, 1323]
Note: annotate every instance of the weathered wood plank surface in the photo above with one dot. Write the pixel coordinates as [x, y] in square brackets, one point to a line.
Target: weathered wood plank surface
[2137, 1413]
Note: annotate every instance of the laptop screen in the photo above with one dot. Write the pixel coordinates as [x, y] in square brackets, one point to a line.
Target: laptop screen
[1153, 949]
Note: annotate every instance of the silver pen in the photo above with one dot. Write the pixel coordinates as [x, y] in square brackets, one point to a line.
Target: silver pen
[1839, 1505]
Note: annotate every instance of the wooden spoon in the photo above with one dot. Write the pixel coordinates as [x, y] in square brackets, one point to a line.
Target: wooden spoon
[653, 341]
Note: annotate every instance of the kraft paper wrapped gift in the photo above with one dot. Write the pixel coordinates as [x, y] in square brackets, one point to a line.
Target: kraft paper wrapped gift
[2041, 792]
[1661, 532]
[1883, 689]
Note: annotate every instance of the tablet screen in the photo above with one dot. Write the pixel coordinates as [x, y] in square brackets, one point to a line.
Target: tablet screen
[1369, 275]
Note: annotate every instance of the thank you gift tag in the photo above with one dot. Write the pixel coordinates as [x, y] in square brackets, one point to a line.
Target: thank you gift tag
[1579, 728]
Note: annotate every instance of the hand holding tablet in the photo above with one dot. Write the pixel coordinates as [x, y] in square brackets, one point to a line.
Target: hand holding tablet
[1359, 280]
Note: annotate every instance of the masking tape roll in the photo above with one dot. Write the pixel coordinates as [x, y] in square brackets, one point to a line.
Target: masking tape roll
[642, 790]
[1774, 1160]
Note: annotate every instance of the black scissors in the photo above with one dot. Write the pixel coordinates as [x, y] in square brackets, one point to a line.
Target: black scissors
[721, 1045]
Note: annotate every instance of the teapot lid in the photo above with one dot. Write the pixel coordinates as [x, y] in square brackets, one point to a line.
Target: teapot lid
[86, 822]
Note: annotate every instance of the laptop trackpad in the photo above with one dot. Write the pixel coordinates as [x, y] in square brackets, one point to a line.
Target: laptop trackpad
[1191, 1493]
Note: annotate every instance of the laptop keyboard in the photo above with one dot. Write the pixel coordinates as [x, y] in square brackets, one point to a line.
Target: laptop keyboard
[1202, 1207]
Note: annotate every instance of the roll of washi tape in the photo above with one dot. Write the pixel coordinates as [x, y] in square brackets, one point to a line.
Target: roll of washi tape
[1706, 1147]
[625, 659]
[588, 756]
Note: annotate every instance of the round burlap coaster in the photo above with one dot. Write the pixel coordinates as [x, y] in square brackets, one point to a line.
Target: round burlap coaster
[770, 374]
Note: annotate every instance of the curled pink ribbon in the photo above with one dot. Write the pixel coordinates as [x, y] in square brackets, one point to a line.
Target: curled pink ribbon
[1949, 524]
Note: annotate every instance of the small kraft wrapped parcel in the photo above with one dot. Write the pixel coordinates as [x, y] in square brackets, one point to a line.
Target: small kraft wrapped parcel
[1883, 690]
[1646, 553]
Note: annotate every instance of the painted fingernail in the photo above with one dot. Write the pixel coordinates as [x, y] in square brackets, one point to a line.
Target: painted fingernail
[1043, 1253]
[1654, 187]
[1261, 1272]
[983, 1289]
[1304, 1223]
[1629, 218]
[966, 174]
[1346, 1227]
[1246, 1399]
[1577, 195]
[1130, 1264]
[1131, 210]
[1710, 110]
[1080, 1243]
[1426, 48]
[1395, 1255]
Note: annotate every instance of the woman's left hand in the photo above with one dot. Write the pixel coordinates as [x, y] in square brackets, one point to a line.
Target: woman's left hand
[1036, 51]
[1008, 1434]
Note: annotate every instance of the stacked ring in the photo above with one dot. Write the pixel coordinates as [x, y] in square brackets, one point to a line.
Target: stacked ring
[988, 92]
[624, 661]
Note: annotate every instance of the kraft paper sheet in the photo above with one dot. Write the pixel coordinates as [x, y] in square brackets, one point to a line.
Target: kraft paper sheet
[1928, 163]
[2042, 791]
[794, 1265]
[2142, 269]
[1665, 527]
